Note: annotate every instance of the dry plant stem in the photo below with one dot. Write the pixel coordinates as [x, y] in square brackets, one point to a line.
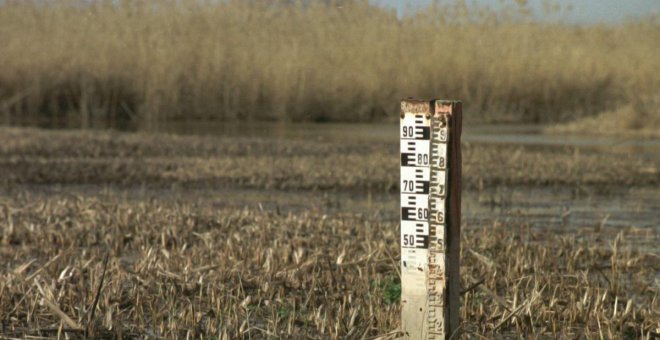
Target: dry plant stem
[251, 278]
[36, 272]
[518, 309]
[473, 286]
[57, 311]
[97, 296]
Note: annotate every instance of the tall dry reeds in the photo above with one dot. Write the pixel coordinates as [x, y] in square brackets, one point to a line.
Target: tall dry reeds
[163, 60]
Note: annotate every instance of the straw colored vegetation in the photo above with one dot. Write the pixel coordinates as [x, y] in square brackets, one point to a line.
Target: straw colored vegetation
[108, 268]
[150, 61]
[30, 156]
[117, 265]
[640, 119]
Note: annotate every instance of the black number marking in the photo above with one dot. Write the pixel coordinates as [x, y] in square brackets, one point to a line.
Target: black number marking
[416, 132]
[417, 187]
[408, 131]
[440, 217]
[417, 241]
[422, 159]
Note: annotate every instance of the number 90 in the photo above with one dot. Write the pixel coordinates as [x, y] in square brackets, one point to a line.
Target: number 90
[408, 131]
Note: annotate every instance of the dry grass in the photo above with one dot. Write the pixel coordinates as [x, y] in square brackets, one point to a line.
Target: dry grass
[165, 265]
[154, 61]
[180, 270]
[639, 119]
[29, 156]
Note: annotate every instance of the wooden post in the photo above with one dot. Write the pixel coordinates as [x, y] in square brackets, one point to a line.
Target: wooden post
[430, 218]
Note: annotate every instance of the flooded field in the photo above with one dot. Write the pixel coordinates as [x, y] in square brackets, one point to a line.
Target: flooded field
[269, 230]
[381, 132]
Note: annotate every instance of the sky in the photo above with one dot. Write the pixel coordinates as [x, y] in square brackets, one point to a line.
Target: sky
[583, 11]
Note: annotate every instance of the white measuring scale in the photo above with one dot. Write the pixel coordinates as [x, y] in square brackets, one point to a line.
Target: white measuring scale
[424, 134]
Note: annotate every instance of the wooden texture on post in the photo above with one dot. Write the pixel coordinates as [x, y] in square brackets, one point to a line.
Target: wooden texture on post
[455, 110]
[430, 218]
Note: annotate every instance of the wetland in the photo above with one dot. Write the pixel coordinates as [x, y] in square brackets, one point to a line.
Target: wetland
[220, 207]
[292, 231]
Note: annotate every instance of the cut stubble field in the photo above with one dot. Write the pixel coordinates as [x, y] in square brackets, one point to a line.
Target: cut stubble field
[137, 235]
[165, 265]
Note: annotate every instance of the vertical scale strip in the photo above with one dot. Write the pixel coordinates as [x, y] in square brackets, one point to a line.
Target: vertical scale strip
[437, 277]
[430, 218]
[415, 134]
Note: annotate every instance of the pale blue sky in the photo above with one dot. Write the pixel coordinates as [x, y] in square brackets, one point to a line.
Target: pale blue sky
[584, 11]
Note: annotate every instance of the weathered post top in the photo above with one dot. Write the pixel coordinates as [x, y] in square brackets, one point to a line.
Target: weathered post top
[430, 134]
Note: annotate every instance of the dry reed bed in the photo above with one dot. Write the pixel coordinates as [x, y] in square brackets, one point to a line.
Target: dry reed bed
[161, 60]
[639, 119]
[179, 270]
[29, 156]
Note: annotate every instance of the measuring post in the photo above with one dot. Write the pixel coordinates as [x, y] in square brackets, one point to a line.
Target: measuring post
[430, 218]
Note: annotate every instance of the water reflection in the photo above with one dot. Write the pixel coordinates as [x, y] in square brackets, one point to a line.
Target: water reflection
[529, 135]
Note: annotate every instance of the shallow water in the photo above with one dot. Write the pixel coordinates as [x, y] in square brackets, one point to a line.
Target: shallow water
[522, 135]
[530, 135]
[562, 209]
[518, 134]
